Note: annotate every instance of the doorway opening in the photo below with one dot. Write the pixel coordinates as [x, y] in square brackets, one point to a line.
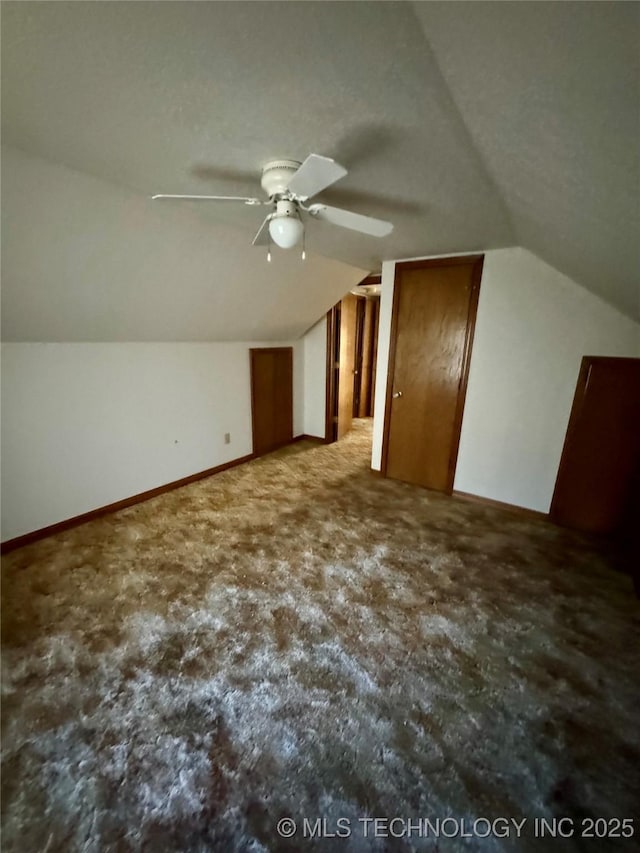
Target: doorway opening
[352, 343]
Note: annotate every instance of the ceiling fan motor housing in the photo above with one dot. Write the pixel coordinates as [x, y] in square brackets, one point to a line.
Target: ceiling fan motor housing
[286, 208]
[276, 175]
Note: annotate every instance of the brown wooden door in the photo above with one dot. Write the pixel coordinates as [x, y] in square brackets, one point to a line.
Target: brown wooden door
[348, 308]
[431, 335]
[374, 353]
[366, 360]
[333, 374]
[601, 451]
[358, 356]
[271, 398]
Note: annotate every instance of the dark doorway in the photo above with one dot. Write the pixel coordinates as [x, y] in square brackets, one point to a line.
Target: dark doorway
[271, 398]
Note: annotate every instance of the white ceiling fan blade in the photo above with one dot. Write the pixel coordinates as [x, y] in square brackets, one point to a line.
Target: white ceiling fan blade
[348, 219]
[164, 196]
[262, 237]
[314, 175]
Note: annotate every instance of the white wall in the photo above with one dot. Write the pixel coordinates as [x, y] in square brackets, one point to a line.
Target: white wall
[382, 360]
[298, 386]
[84, 425]
[533, 327]
[315, 373]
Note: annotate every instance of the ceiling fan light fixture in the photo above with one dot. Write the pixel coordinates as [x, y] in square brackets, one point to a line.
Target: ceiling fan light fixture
[285, 231]
[285, 226]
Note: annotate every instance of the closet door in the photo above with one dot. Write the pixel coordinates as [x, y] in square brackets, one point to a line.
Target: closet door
[271, 398]
[431, 336]
[601, 456]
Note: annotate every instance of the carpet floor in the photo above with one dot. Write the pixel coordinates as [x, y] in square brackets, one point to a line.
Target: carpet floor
[298, 638]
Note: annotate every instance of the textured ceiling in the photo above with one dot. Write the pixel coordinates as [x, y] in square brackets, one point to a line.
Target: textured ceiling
[469, 126]
[550, 94]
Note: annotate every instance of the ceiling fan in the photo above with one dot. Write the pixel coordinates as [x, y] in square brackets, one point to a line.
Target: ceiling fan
[289, 184]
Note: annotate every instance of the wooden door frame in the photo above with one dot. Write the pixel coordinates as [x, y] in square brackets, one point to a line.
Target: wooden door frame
[331, 387]
[476, 276]
[359, 355]
[587, 362]
[368, 352]
[253, 351]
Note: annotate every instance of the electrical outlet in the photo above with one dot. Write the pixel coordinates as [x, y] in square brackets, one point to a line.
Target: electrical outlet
[227, 438]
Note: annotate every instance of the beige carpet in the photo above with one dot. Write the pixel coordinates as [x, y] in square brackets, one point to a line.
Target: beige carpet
[299, 638]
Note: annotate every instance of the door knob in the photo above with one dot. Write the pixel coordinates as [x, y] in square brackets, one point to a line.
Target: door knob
[396, 394]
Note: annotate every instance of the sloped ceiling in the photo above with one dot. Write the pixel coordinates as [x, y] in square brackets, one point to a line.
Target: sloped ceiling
[550, 95]
[86, 260]
[468, 127]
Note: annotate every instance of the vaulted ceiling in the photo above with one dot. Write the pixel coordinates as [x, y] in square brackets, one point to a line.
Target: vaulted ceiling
[469, 125]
